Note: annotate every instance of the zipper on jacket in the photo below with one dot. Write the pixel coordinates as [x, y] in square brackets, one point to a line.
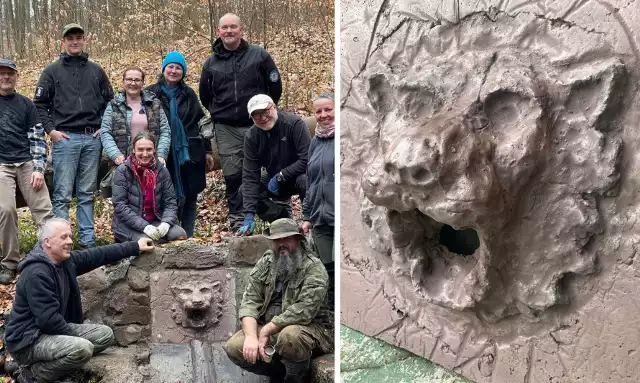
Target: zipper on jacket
[77, 76]
[235, 81]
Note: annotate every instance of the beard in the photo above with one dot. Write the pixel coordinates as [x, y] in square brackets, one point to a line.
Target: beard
[270, 124]
[287, 262]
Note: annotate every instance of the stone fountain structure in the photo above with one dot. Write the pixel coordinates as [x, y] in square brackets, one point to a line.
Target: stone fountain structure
[172, 310]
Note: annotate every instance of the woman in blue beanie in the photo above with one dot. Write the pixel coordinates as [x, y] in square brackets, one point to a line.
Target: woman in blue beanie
[187, 161]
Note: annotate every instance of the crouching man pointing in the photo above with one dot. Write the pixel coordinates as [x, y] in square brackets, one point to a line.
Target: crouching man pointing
[45, 334]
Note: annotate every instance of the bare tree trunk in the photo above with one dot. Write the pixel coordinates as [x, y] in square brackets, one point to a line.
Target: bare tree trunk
[27, 21]
[3, 26]
[264, 23]
[212, 27]
[12, 26]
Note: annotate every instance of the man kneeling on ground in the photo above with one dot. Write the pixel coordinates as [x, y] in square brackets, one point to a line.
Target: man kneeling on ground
[45, 334]
[284, 306]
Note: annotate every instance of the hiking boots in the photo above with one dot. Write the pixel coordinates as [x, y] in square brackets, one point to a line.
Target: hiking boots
[297, 372]
[26, 376]
[6, 275]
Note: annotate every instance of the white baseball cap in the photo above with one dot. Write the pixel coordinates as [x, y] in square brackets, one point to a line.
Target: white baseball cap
[259, 102]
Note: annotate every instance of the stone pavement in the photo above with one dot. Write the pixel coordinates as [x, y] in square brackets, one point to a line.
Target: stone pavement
[367, 359]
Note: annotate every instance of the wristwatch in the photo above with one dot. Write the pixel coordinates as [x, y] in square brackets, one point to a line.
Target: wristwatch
[279, 177]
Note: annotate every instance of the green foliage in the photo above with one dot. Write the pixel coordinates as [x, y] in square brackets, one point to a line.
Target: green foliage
[27, 231]
[260, 225]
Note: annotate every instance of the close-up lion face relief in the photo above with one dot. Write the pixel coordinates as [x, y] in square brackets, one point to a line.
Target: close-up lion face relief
[479, 162]
[198, 304]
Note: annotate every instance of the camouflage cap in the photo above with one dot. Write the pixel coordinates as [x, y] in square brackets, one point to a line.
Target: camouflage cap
[282, 228]
[73, 27]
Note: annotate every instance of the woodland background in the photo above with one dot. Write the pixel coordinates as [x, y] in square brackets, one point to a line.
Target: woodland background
[299, 35]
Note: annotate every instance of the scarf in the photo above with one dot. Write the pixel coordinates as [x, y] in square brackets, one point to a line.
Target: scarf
[326, 132]
[147, 175]
[179, 143]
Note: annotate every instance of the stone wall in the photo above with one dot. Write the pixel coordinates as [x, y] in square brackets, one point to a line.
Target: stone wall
[174, 308]
[174, 295]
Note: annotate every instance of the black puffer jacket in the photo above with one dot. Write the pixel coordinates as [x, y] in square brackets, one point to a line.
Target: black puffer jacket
[128, 200]
[190, 113]
[37, 308]
[230, 78]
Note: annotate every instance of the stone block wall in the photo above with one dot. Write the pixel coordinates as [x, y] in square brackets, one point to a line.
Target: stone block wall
[174, 295]
[174, 308]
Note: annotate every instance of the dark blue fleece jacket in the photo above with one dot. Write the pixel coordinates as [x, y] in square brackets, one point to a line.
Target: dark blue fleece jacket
[37, 307]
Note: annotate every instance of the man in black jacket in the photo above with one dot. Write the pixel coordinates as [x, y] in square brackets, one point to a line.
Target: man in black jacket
[71, 96]
[45, 333]
[235, 72]
[279, 142]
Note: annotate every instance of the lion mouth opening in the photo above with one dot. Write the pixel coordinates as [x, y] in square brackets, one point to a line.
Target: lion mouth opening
[196, 315]
[461, 242]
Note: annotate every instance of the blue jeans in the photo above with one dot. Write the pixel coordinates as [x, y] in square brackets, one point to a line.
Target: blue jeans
[75, 163]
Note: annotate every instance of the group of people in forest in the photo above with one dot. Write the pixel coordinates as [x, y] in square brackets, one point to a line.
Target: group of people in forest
[152, 137]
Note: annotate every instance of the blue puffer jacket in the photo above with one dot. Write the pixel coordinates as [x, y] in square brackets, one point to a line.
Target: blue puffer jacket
[318, 205]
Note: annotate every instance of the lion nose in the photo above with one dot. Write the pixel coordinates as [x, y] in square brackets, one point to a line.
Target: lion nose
[412, 161]
[197, 300]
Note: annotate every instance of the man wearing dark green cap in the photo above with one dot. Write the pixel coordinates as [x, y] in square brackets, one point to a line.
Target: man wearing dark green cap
[71, 96]
[284, 306]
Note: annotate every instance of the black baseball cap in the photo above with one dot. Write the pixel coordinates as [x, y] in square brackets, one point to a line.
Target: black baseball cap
[8, 64]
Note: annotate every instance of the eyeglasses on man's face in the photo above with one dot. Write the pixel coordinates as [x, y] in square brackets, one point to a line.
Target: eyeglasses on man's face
[262, 114]
[130, 80]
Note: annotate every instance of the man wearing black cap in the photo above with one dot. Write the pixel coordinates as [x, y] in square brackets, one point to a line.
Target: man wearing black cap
[71, 97]
[22, 160]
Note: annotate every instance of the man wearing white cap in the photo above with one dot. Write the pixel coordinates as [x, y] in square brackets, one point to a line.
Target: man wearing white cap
[279, 142]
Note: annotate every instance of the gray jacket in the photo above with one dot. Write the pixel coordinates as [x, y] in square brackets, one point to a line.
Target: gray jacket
[317, 206]
[115, 131]
[127, 200]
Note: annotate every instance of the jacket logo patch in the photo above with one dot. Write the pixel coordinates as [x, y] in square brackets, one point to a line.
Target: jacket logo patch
[39, 91]
[284, 138]
[274, 76]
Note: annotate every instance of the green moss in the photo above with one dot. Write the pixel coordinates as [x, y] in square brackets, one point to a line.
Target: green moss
[367, 359]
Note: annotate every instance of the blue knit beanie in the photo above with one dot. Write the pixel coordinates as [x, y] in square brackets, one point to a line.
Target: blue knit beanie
[175, 57]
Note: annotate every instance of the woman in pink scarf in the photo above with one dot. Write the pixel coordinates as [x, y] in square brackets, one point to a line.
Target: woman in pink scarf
[318, 205]
[144, 200]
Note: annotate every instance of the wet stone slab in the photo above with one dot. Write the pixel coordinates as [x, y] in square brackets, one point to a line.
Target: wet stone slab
[172, 362]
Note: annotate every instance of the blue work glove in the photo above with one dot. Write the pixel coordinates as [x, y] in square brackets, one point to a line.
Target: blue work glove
[274, 185]
[248, 225]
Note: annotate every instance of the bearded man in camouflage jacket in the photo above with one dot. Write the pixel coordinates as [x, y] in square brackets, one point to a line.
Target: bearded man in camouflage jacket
[284, 307]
